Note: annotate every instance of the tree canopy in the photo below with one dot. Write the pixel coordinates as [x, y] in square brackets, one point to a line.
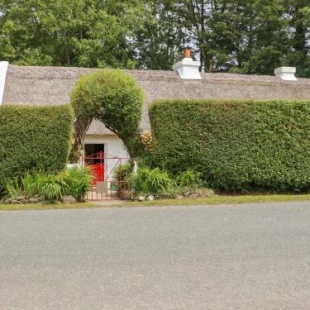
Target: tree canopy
[69, 32]
[225, 35]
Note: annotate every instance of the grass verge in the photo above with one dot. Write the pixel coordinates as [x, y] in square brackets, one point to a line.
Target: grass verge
[223, 199]
[215, 200]
[39, 206]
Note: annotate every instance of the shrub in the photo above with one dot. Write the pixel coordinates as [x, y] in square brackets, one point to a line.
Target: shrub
[74, 181]
[27, 186]
[33, 139]
[79, 182]
[30, 185]
[14, 188]
[235, 145]
[147, 181]
[189, 178]
[54, 187]
[122, 175]
[112, 97]
[43, 185]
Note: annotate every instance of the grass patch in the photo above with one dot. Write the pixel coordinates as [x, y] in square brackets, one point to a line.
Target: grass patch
[222, 199]
[54, 206]
[216, 200]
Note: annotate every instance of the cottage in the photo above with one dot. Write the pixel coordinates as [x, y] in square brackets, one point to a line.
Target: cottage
[31, 85]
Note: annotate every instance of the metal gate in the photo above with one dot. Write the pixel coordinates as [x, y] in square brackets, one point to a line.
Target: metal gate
[104, 185]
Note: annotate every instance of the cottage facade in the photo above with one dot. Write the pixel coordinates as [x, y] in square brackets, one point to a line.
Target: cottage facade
[31, 85]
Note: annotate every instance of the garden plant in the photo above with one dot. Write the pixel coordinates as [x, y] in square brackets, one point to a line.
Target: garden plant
[42, 186]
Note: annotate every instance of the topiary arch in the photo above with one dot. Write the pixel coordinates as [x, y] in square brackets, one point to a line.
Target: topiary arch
[114, 98]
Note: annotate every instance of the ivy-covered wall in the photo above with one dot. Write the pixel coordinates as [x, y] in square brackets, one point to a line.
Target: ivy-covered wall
[34, 138]
[237, 145]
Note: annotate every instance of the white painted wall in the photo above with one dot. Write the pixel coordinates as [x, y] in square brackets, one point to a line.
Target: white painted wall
[3, 70]
[113, 147]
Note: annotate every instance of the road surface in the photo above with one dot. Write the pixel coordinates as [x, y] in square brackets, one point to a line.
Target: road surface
[205, 257]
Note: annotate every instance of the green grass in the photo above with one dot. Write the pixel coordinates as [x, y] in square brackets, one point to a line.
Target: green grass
[224, 199]
[215, 200]
[39, 206]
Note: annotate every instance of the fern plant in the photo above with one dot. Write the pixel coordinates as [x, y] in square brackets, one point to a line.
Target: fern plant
[189, 178]
[79, 181]
[151, 181]
[53, 187]
[13, 188]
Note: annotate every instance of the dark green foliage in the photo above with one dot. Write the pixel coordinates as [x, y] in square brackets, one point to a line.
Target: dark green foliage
[244, 36]
[35, 185]
[53, 187]
[79, 182]
[33, 139]
[122, 173]
[147, 181]
[174, 124]
[189, 179]
[236, 145]
[70, 33]
[122, 180]
[112, 97]
[75, 181]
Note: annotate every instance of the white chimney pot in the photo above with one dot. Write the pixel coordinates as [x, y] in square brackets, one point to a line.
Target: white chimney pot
[188, 69]
[286, 73]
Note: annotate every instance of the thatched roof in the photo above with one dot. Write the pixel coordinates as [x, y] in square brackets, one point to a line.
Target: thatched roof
[53, 85]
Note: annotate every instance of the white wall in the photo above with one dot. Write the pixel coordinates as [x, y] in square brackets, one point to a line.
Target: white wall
[3, 70]
[113, 147]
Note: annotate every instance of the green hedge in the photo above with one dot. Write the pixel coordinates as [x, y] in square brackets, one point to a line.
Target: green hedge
[112, 97]
[236, 145]
[33, 138]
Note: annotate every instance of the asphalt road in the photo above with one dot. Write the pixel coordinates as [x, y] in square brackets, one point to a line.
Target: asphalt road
[214, 257]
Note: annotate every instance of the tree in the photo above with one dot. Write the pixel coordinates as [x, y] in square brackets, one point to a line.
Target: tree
[161, 42]
[239, 36]
[194, 17]
[87, 33]
[112, 97]
[251, 34]
[243, 35]
[298, 29]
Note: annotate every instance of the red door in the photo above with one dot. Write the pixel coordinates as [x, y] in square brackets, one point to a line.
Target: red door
[98, 172]
[94, 159]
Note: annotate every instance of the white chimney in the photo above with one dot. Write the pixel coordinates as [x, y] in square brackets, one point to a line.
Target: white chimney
[3, 69]
[286, 73]
[187, 68]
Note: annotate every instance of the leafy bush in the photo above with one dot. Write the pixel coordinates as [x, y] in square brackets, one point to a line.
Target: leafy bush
[33, 139]
[122, 180]
[74, 181]
[13, 188]
[122, 173]
[112, 97]
[54, 188]
[235, 145]
[151, 181]
[30, 185]
[189, 178]
[79, 182]
[45, 186]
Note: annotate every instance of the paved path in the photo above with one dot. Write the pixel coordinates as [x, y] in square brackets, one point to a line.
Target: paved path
[215, 257]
